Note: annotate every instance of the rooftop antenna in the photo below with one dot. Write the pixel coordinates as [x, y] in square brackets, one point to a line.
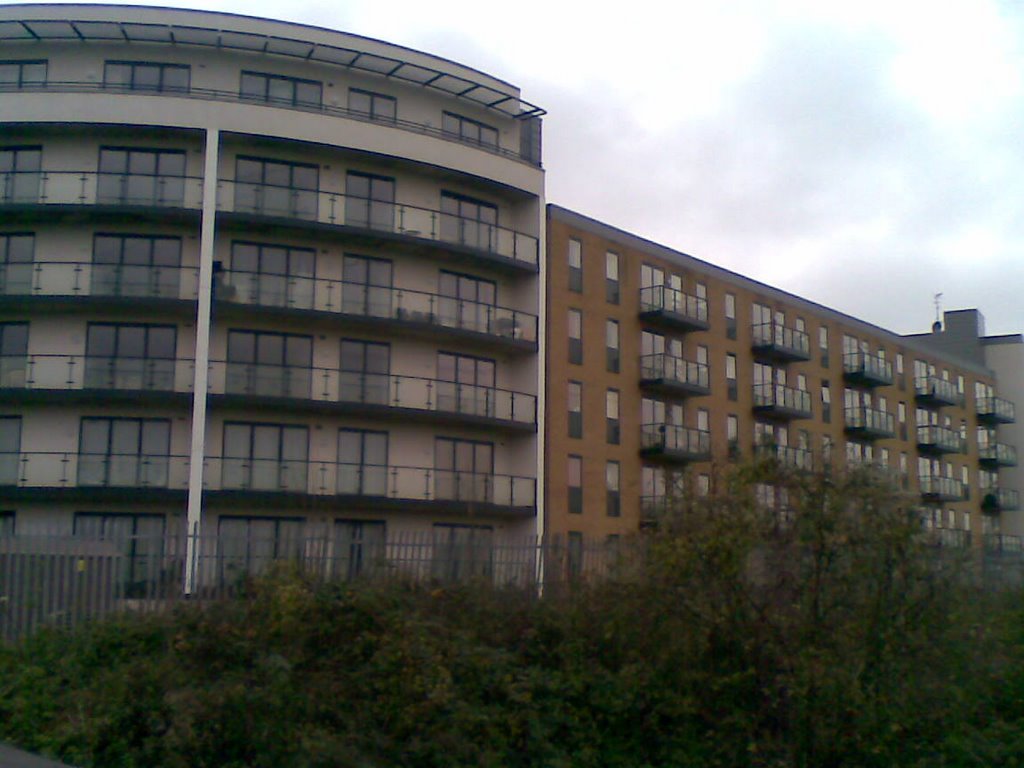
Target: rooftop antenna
[937, 325]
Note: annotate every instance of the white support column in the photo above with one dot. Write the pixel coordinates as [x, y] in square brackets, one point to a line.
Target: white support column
[197, 450]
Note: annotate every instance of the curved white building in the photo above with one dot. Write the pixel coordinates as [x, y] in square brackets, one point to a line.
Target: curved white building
[334, 240]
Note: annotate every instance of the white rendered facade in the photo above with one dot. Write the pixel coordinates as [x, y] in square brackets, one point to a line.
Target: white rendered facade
[337, 240]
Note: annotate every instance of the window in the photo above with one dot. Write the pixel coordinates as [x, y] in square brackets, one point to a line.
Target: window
[13, 354]
[465, 384]
[265, 457]
[20, 174]
[575, 329]
[730, 376]
[146, 76]
[575, 403]
[574, 475]
[16, 256]
[469, 130]
[470, 222]
[123, 452]
[575, 259]
[611, 412]
[611, 335]
[703, 484]
[462, 551]
[359, 548]
[369, 201]
[136, 265]
[611, 277]
[365, 369]
[247, 544]
[960, 384]
[732, 434]
[123, 356]
[269, 364]
[131, 176]
[138, 537]
[366, 286]
[826, 402]
[464, 470]
[899, 363]
[276, 187]
[279, 89]
[730, 315]
[6, 519]
[901, 417]
[362, 462]
[467, 302]
[611, 477]
[375, 106]
[269, 275]
[823, 345]
[21, 74]
[10, 449]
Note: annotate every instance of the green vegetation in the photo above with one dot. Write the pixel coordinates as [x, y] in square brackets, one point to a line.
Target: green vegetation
[839, 639]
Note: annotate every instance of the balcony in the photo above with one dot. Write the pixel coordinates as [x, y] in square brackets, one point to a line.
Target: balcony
[941, 489]
[936, 392]
[867, 370]
[673, 375]
[781, 402]
[869, 423]
[671, 442]
[209, 94]
[1002, 543]
[142, 285]
[376, 395]
[379, 222]
[114, 191]
[995, 500]
[673, 309]
[789, 456]
[995, 410]
[298, 483]
[779, 343]
[997, 455]
[78, 378]
[405, 310]
[934, 439]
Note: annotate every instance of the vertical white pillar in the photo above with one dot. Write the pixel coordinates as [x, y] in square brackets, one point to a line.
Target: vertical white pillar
[197, 450]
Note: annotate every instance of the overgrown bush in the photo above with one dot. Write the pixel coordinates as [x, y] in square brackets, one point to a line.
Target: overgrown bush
[839, 638]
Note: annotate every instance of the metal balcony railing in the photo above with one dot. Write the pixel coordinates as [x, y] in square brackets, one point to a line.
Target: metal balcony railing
[936, 391]
[999, 454]
[782, 400]
[869, 422]
[74, 188]
[79, 279]
[936, 439]
[675, 373]
[942, 488]
[787, 455]
[1000, 499]
[674, 307]
[675, 441]
[778, 341]
[864, 368]
[996, 410]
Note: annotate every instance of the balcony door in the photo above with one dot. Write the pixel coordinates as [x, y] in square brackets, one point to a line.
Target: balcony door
[10, 449]
[466, 302]
[369, 201]
[270, 276]
[136, 265]
[128, 453]
[362, 462]
[122, 356]
[465, 384]
[16, 257]
[366, 286]
[20, 174]
[269, 364]
[365, 373]
[133, 176]
[470, 222]
[13, 355]
[463, 470]
[265, 457]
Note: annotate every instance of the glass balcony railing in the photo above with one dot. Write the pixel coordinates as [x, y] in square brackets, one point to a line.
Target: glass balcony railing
[676, 441]
[998, 454]
[936, 439]
[82, 372]
[308, 106]
[782, 400]
[74, 188]
[869, 422]
[787, 455]
[674, 373]
[1000, 499]
[379, 216]
[935, 391]
[778, 341]
[416, 393]
[674, 307]
[55, 470]
[376, 302]
[996, 410]
[1004, 543]
[863, 368]
[78, 279]
[942, 488]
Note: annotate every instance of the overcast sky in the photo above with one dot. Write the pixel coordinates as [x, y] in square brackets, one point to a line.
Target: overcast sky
[863, 155]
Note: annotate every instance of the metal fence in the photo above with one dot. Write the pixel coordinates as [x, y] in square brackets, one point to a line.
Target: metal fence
[63, 581]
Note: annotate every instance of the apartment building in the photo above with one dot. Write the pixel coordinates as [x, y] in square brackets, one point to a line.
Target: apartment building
[257, 276]
[661, 367]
